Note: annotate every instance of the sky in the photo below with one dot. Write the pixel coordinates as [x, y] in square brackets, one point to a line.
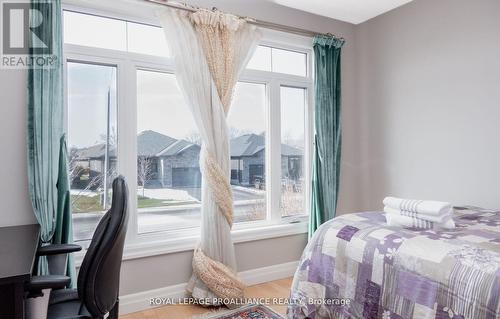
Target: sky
[88, 87]
[161, 106]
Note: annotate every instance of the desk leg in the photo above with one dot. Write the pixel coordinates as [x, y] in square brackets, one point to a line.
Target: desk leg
[19, 301]
[12, 301]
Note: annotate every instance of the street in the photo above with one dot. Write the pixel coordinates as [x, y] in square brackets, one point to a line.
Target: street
[248, 205]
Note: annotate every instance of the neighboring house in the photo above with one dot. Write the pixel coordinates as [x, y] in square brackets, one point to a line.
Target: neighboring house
[174, 162]
[248, 158]
[164, 161]
[87, 165]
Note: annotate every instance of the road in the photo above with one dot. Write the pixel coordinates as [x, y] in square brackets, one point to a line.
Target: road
[168, 218]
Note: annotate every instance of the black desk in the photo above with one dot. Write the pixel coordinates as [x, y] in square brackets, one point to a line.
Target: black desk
[18, 245]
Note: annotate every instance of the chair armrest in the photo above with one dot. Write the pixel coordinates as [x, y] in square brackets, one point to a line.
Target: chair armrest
[38, 283]
[56, 249]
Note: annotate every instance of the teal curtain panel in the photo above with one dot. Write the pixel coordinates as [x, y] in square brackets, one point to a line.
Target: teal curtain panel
[47, 158]
[327, 135]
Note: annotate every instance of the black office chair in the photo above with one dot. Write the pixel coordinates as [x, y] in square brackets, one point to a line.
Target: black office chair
[99, 275]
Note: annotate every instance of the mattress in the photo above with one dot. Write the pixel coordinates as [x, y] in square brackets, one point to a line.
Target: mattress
[356, 266]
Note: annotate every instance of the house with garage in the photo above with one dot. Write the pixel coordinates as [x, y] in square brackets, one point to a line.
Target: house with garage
[162, 161]
[248, 158]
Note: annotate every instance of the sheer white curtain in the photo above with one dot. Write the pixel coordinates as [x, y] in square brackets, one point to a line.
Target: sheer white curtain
[210, 50]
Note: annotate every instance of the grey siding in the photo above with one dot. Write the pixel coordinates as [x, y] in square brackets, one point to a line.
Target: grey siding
[188, 158]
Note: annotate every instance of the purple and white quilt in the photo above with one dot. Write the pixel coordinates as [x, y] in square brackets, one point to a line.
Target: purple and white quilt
[356, 266]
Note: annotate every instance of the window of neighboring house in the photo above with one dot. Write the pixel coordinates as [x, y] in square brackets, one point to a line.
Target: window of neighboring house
[247, 134]
[293, 128]
[168, 151]
[91, 142]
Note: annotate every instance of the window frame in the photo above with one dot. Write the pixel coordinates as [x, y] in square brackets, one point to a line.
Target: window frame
[127, 63]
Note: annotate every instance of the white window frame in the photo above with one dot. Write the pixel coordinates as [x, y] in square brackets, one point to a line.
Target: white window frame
[127, 63]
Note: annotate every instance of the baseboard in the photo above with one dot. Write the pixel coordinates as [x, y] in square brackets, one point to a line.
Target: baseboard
[269, 273]
[141, 300]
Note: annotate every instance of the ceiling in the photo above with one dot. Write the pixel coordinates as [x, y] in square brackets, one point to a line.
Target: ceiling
[353, 11]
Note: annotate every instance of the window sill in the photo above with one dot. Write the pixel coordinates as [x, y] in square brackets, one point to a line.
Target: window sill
[148, 247]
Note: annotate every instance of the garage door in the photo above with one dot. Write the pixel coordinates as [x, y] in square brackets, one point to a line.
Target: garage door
[186, 177]
[256, 171]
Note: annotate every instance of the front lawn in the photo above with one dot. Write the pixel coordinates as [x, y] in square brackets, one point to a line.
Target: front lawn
[86, 204]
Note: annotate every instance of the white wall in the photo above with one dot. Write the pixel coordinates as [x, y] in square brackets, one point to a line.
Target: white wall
[167, 270]
[429, 92]
[15, 206]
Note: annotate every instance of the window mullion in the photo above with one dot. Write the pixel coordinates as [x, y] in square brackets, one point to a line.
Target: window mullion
[274, 153]
[309, 147]
[127, 139]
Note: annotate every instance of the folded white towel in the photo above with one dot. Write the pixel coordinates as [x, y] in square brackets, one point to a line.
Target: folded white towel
[426, 207]
[405, 221]
[431, 218]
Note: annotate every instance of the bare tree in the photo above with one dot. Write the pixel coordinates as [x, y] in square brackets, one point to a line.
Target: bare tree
[235, 132]
[193, 137]
[113, 137]
[77, 168]
[144, 171]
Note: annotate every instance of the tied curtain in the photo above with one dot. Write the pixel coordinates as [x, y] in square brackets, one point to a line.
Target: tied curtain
[327, 137]
[48, 179]
[210, 50]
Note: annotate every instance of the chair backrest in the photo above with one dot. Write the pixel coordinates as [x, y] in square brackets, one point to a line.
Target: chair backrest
[99, 276]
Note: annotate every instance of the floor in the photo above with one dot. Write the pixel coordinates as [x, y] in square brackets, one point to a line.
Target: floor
[273, 289]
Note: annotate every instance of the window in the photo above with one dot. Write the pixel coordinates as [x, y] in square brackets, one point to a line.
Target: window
[289, 62]
[293, 128]
[168, 152]
[261, 59]
[127, 115]
[87, 30]
[92, 141]
[279, 60]
[119, 34]
[247, 133]
[146, 39]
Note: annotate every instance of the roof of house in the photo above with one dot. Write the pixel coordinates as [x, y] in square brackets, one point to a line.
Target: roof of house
[247, 145]
[251, 144]
[178, 147]
[150, 143]
[95, 151]
[154, 144]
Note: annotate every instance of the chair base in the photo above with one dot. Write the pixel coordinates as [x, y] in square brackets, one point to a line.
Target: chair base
[36, 308]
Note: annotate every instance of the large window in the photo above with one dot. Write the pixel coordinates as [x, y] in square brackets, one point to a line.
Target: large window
[127, 115]
[92, 141]
[247, 133]
[168, 152]
[293, 128]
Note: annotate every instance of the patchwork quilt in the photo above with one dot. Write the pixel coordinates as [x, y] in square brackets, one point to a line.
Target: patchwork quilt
[356, 266]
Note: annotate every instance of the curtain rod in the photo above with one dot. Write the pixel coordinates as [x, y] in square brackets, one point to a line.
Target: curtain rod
[264, 24]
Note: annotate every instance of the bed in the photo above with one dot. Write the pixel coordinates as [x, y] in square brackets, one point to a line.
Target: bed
[356, 266]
